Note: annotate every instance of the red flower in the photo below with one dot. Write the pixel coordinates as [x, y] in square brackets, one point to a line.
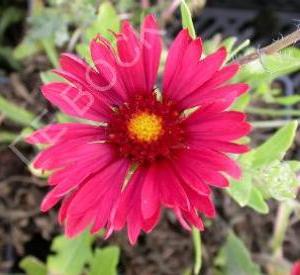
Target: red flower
[147, 154]
[296, 268]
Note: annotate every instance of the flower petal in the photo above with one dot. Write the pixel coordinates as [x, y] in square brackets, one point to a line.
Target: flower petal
[74, 102]
[150, 194]
[105, 61]
[151, 49]
[56, 133]
[174, 59]
[98, 194]
[130, 60]
[81, 75]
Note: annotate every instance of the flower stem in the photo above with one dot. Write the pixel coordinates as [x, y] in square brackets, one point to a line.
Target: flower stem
[281, 224]
[275, 47]
[197, 249]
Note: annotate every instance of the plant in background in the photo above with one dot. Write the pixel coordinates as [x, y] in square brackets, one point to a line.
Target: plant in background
[103, 182]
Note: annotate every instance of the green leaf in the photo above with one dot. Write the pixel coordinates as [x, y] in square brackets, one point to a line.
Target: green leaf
[71, 254]
[186, 18]
[105, 261]
[33, 266]
[16, 113]
[276, 146]
[7, 137]
[282, 63]
[235, 259]
[25, 49]
[242, 102]
[277, 180]
[295, 165]
[269, 67]
[257, 202]
[107, 20]
[240, 190]
[228, 43]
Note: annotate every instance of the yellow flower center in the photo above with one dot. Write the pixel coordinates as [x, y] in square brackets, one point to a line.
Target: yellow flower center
[145, 127]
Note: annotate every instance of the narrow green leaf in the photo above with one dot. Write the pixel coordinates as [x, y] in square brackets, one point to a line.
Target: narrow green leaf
[63, 118]
[287, 100]
[239, 48]
[7, 137]
[15, 113]
[257, 202]
[105, 261]
[276, 146]
[228, 43]
[186, 18]
[71, 254]
[235, 259]
[33, 266]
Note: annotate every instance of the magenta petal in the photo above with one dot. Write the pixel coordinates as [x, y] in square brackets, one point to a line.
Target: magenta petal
[174, 59]
[101, 190]
[171, 190]
[192, 179]
[207, 95]
[181, 219]
[84, 77]
[128, 208]
[151, 49]
[150, 194]
[105, 61]
[55, 133]
[186, 70]
[74, 102]
[130, 60]
[150, 223]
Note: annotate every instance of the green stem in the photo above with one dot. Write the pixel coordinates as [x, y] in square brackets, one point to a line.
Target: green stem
[272, 112]
[197, 249]
[281, 224]
[270, 123]
[275, 47]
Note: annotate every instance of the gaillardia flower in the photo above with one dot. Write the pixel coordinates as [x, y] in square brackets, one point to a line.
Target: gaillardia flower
[144, 151]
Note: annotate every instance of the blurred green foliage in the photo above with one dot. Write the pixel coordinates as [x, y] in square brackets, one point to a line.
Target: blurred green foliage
[265, 175]
[73, 257]
[235, 259]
